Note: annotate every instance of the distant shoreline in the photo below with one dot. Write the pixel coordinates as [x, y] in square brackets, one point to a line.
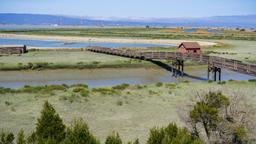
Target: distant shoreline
[101, 39]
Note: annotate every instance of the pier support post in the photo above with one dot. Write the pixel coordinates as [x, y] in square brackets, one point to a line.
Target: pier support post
[208, 72]
[219, 74]
[182, 68]
[214, 70]
[215, 75]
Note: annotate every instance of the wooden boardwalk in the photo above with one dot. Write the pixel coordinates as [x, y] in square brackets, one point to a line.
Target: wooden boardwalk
[213, 62]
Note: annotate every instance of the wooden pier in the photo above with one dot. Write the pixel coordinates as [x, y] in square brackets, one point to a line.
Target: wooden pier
[215, 64]
[13, 49]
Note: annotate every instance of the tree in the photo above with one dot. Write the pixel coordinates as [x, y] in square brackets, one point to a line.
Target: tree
[21, 138]
[113, 139]
[79, 133]
[49, 126]
[6, 138]
[222, 120]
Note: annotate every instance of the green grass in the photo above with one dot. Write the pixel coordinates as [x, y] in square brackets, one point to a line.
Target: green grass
[234, 49]
[130, 111]
[148, 33]
[50, 59]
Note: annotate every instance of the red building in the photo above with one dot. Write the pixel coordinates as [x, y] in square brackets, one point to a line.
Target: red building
[190, 48]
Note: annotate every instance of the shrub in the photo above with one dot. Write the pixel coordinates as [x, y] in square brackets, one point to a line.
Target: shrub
[113, 139]
[6, 90]
[252, 80]
[119, 103]
[79, 133]
[105, 91]
[6, 138]
[85, 93]
[21, 138]
[222, 82]
[171, 135]
[95, 62]
[49, 125]
[78, 89]
[139, 87]
[171, 85]
[121, 87]
[7, 103]
[159, 84]
[42, 89]
[151, 92]
[79, 85]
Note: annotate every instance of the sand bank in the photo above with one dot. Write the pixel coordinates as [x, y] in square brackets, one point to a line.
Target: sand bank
[101, 39]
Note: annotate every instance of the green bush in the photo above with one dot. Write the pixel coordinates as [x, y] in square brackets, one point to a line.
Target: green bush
[78, 89]
[85, 93]
[113, 139]
[252, 80]
[222, 82]
[6, 138]
[171, 85]
[105, 91]
[6, 90]
[139, 87]
[21, 138]
[159, 84]
[79, 85]
[121, 87]
[119, 103]
[79, 133]
[171, 135]
[42, 89]
[49, 126]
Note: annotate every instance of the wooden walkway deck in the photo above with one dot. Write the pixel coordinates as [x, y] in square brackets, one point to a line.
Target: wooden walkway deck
[212, 61]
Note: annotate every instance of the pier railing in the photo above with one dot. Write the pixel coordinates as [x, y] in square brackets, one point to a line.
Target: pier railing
[220, 62]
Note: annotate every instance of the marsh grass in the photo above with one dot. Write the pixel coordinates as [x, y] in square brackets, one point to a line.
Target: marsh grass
[105, 91]
[146, 33]
[44, 59]
[121, 87]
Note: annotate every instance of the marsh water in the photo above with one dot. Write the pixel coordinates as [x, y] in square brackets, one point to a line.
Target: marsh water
[106, 77]
[62, 44]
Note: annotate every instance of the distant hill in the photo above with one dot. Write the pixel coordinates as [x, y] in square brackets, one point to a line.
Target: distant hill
[245, 21]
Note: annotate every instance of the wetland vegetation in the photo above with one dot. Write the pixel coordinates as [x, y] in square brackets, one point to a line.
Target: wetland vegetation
[148, 33]
[130, 110]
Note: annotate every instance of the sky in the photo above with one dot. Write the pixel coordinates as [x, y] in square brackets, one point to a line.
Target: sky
[131, 8]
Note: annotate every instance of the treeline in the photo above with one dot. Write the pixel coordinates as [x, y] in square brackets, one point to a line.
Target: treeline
[213, 118]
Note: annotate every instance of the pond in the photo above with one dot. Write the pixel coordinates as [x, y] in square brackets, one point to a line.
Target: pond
[107, 77]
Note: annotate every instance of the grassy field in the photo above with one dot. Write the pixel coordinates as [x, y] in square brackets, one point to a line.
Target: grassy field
[148, 33]
[50, 59]
[234, 49]
[130, 110]
[57, 59]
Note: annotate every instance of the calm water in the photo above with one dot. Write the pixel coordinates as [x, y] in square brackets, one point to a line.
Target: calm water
[61, 44]
[192, 30]
[106, 77]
